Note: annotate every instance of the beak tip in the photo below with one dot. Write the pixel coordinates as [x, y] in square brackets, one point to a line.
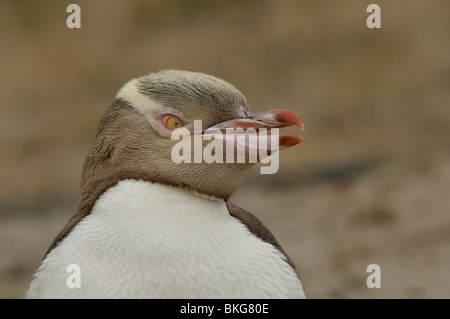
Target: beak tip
[286, 141]
[300, 125]
[289, 118]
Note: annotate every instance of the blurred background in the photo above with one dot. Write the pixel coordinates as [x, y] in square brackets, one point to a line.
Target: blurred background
[369, 185]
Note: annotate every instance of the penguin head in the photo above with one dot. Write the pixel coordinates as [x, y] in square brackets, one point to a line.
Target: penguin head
[137, 136]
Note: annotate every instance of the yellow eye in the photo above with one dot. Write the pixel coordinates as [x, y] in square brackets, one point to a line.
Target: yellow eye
[172, 122]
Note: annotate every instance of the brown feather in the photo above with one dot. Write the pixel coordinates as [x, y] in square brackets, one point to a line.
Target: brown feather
[256, 227]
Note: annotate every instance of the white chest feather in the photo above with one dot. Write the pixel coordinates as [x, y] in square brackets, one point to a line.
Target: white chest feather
[145, 240]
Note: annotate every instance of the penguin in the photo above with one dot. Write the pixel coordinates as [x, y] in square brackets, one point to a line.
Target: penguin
[147, 227]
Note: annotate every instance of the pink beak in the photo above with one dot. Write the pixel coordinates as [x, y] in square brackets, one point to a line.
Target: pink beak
[276, 118]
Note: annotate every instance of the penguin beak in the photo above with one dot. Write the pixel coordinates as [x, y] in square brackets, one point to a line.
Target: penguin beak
[277, 118]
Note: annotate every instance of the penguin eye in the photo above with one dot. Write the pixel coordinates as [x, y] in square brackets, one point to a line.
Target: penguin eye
[172, 122]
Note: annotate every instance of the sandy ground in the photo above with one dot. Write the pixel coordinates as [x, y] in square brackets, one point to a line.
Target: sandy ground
[369, 185]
